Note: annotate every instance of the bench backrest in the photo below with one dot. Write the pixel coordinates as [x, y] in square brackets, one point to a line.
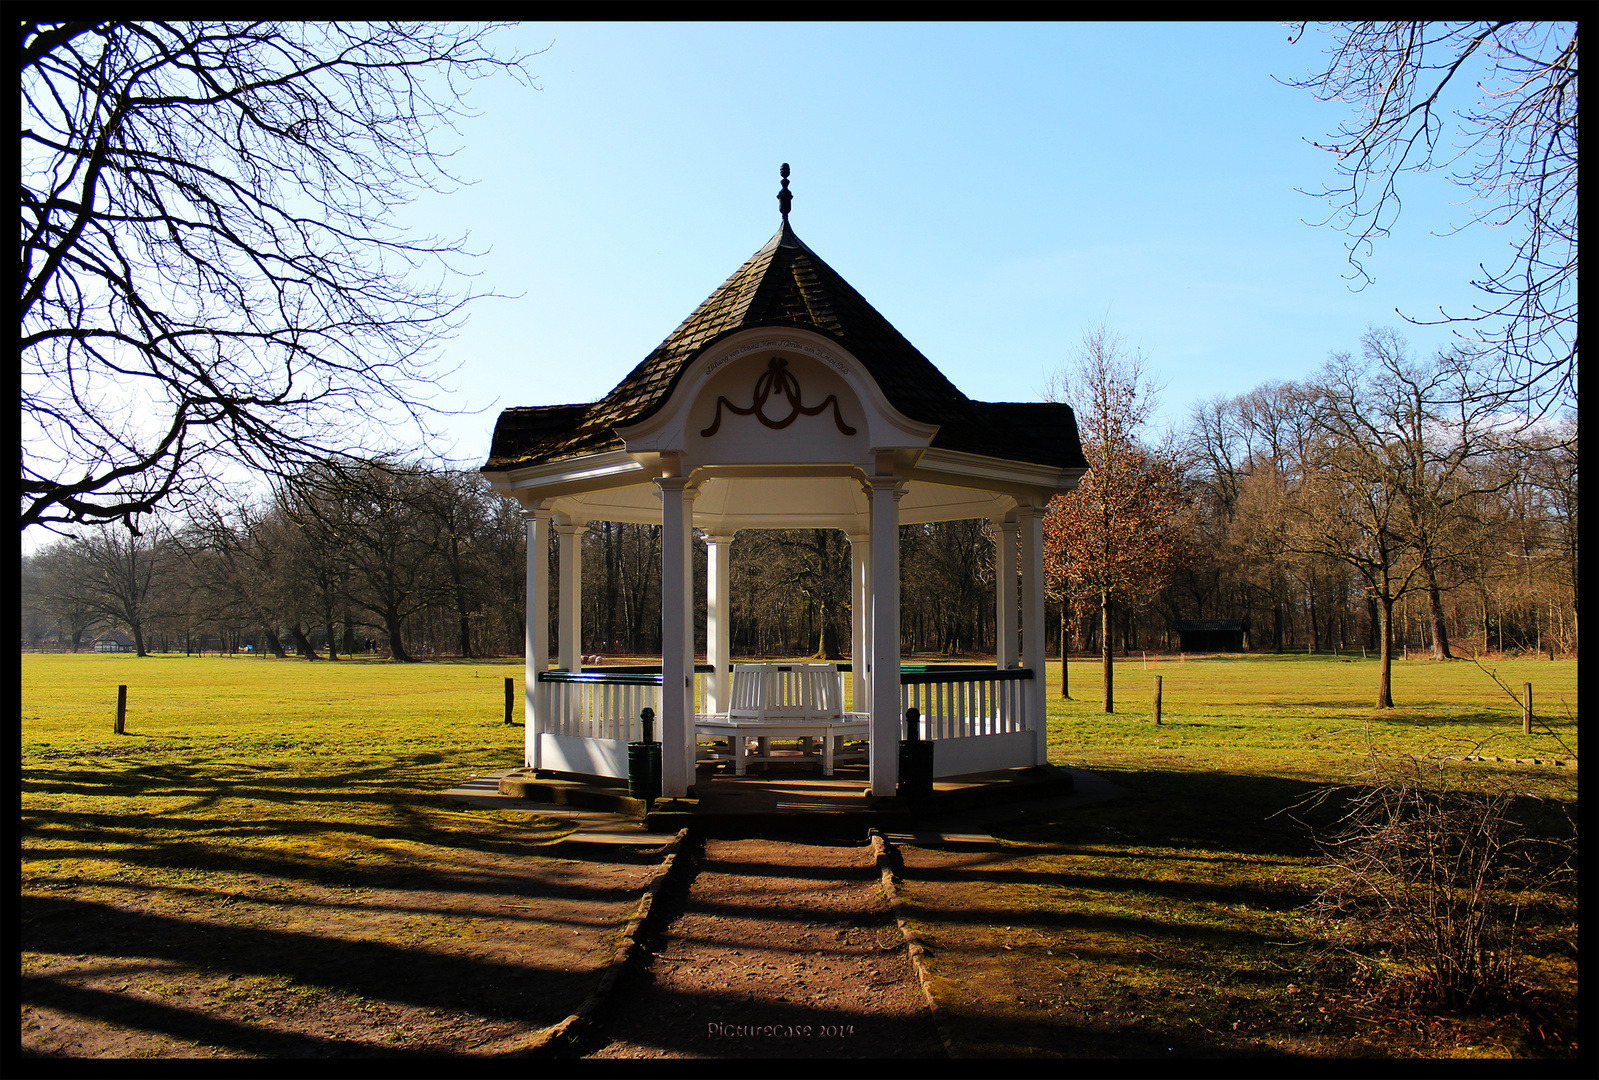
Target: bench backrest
[787, 692]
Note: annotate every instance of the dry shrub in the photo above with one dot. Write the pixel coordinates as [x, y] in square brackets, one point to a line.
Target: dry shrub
[1443, 875]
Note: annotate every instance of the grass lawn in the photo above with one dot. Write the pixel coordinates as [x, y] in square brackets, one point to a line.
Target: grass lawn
[1170, 923]
[212, 743]
[253, 860]
[263, 866]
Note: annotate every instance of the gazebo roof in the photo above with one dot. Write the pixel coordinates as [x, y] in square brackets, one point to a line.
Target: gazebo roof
[785, 284]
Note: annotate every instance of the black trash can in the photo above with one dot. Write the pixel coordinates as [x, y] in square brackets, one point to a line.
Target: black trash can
[644, 770]
[644, 762]
[915, 762]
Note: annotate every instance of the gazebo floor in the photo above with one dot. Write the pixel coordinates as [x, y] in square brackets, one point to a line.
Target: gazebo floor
[780, 798]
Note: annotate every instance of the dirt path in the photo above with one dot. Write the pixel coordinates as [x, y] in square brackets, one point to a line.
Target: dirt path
[474, 953]
[773, 950]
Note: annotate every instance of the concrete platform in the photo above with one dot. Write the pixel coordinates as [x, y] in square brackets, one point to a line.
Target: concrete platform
[780, 800]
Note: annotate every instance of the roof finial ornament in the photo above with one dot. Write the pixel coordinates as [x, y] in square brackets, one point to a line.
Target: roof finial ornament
[784, 198]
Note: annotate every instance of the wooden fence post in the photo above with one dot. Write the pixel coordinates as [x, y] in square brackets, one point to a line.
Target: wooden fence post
[122, 708]
[1526, 709]
[510, 697]
[1157, 700]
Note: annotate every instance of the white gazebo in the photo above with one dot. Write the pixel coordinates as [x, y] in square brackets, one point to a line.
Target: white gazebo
[785, 400]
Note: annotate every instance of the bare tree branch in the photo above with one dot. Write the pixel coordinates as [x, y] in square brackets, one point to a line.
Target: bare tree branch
[1512, 145]
[211, 270]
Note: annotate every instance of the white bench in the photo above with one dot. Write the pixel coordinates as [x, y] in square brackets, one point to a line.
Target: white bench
[784, 702]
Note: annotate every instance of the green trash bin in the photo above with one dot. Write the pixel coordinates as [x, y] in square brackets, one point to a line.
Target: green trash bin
[644, 762]
[915, 761]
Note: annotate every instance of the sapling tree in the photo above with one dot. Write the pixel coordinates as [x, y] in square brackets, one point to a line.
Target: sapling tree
[1117, 537]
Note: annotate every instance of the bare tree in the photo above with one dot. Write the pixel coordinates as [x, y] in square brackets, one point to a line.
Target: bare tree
[1363, 498]
[1511, 141]
[395, 545]
[1433, 422]
[1552, 466]
[56, 574]
[116, 573]
[948, 570]
[211, 272]
[245, 553]
[460, 505]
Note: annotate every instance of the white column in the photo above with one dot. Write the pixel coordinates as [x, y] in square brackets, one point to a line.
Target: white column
[677, 669]
[860, 623]
[885, 634]
[538, 630]
[1005, 611]
[719, 621]
[1030, 520]
[569, 620]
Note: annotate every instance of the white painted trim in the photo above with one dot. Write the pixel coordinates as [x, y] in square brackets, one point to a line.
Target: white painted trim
[860, 576]
[884, 751]
[981, 753]
[1005, 593]
[587, 472]
[569, 617]
[586, 757]
[991, 473]
[1030, 522]
[677, 718]
[718, 621]
[537, 630]
[887, 428]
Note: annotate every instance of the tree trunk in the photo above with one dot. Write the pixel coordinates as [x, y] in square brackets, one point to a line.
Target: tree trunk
[1440, 634]
[1105, 660]
[397, 653]
[1385, 678]
[275, 644]
[302, 645]
[1065, 650]
[828, 646]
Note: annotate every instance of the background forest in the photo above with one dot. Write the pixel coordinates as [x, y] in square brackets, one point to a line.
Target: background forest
[1304, 509]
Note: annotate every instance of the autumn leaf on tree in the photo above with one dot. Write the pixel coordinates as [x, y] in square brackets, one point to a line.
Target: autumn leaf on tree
[1118, 536]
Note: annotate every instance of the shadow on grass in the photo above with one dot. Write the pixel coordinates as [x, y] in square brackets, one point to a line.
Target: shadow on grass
[355, 882]
[1160, 924]
[1245, 814]
[425, 978]
[353, 828]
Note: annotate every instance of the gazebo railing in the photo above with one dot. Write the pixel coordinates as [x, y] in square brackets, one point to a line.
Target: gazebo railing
[957, 703]
[606, 704]
[979, 715]
[954, 702]
[598, 704]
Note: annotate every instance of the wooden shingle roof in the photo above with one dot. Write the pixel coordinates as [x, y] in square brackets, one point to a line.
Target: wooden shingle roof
[785, 284]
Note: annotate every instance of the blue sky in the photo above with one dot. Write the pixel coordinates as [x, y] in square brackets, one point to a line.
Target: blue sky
[994, 189]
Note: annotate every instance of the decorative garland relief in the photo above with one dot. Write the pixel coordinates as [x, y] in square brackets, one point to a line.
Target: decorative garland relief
[777, 381]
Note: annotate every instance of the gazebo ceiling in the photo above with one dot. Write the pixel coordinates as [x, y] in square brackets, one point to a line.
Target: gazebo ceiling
[838, 394]
[726, 504]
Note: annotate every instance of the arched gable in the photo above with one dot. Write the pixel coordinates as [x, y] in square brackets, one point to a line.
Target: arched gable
[776, 396]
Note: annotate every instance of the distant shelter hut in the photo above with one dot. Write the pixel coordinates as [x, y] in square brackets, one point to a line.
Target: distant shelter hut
[115, 641]
[785, 400]
[1211, 635]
